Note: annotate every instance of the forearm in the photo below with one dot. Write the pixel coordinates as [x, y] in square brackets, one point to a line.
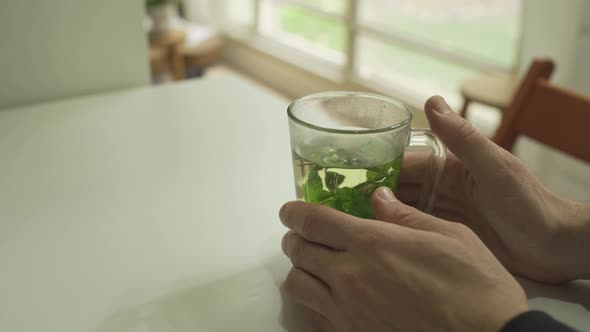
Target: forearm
[536, 321]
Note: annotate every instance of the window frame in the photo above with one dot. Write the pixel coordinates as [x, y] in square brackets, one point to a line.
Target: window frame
[347, 72]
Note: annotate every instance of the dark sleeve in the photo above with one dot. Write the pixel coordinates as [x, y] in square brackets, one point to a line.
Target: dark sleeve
[535, 321]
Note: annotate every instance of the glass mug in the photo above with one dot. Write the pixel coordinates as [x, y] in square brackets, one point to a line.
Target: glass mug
[347, 144]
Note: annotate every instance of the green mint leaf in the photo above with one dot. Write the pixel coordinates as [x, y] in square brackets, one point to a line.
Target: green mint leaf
[354, 202]
[343, 199]
[314, 181]
[391, 181]
[375, 174]
[313, 189]
[333, 180]
[381, 173]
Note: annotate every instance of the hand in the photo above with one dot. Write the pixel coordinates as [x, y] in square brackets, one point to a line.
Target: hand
[412, 273]
[533, 232]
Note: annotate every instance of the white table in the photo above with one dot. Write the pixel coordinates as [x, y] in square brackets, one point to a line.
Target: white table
[152, 210]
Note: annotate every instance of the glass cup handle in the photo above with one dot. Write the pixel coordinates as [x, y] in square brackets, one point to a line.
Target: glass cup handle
[423, 138]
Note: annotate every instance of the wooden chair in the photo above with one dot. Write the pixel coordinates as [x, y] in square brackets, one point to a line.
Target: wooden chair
[203, 47]
[172, 42]
[158, 61]
[489, 88]
[552, 115]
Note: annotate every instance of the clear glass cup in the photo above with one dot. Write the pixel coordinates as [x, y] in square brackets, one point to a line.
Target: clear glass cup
[347, 144]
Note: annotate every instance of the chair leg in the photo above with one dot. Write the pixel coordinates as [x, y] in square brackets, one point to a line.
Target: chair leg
[463, 112]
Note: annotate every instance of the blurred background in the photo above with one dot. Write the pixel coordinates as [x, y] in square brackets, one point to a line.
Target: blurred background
[472, 52]
[408, 49]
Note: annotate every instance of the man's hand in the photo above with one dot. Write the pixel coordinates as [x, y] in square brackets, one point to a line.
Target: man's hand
[533, 232]
[413, 272]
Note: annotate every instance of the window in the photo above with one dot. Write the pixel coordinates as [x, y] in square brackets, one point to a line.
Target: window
[407, 69]
[486, 31]
[424, 45]
[315, 26]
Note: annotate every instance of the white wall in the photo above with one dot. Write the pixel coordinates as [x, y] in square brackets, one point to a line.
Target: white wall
[580, 79]
[550, 28]
[61, 48]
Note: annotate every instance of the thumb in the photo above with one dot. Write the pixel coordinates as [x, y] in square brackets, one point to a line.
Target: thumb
[388, 209]
[476, 152]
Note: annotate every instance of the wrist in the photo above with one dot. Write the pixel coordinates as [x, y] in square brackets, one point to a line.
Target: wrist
[576, 237]
[534, 321]
[583, 234]
[502, 310]
[517, 312]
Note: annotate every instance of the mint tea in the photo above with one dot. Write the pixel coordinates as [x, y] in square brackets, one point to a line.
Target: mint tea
[345, 145]
[343, 180]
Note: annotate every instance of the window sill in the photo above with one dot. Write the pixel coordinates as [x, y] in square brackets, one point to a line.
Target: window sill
[394, 89]
[292, 55]
[328, 70]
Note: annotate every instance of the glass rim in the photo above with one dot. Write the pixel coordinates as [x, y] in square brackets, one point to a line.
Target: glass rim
[390, 100]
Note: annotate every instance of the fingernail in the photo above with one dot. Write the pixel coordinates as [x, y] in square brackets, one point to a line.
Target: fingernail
[439, 105]
[386, 194]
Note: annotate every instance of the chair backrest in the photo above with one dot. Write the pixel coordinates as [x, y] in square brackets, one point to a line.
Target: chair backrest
[547, 113]
[64, 48]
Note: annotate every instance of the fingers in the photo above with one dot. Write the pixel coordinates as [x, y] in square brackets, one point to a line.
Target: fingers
[450, 215]
[387, 208]
[309, 291]
[320, 224]
[318, 322]
[409, 193]
[312, 258]
[476, 151]
[414, 167]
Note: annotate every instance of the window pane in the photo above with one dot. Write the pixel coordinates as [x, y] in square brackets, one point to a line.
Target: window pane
[297, 27]
[337, 7]
[415, 71]
[486, 29]
[239, 11]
